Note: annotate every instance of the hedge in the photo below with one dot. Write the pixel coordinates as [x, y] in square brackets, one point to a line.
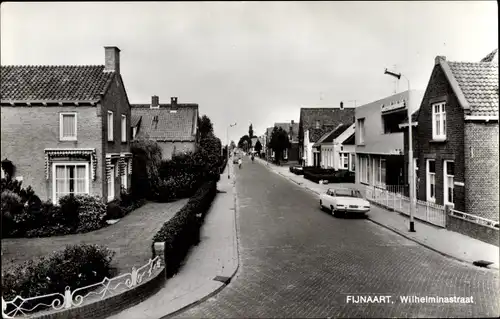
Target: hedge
[183, 230]
[340, 176]
[24, 215]
[75, 266]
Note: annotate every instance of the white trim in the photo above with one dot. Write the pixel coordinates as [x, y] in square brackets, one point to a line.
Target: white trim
[458, 183]
[406, 124]
[110, 126]
[428, 181]
[124, 127]
[445, 183]
[481, 118]
[111, 181]
[72, 163]
[61, 129]
[441, 135]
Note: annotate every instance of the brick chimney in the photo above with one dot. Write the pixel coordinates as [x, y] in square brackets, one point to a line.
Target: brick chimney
[173, 101]
[155, 102]
[112, 59]
[438, 59]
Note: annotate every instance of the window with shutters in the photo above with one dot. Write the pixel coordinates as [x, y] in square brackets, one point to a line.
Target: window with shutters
[68, 126]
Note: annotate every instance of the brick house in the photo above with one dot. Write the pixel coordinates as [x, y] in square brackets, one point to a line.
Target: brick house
[455, 137]
[380, 140]
[66, 128]
[316, 122]
[173, 126]
[337, 148]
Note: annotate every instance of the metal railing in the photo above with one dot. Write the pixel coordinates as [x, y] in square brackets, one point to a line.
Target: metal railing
[396, 200]
[70, 299]
[475, 219]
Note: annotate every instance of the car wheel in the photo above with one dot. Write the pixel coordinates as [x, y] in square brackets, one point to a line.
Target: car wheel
[333, 211]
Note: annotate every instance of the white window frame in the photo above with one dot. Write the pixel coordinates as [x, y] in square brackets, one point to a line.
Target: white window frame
[87, 177]
[343, 156]
[380, 178]
[3, 173]
[439, 115]
[352, 162]
[361, 131]
[61, 128]
[124, 128]
[430, 198]
[134, 132]
[447, 185]
[111, 182]
[110, 120]
[285, 154]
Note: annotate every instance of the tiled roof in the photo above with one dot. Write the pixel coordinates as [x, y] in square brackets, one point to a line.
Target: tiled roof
[333, 134]
[478, 81]
[178, 126]
[53, 83]
[331, 117]
[287, 126]
[315, 134]
[491, 57]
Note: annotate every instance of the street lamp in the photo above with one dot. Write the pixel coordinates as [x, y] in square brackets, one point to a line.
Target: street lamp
[410, 151]
[227, 155]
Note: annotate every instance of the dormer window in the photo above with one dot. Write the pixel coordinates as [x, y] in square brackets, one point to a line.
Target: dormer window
[317, 124]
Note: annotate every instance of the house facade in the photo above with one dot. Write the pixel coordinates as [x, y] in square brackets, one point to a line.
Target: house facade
[337, 148]
[316, 122]
[173, 126]
[66, 129]
[379, 140]
[456, 137]
[291, 153]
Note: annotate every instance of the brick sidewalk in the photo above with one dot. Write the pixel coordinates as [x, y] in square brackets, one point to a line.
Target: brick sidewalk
[215, 255]
[449, 243]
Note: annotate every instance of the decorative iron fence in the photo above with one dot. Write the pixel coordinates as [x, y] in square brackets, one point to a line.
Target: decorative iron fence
[70, 299]
[395, 199]
[475, 219]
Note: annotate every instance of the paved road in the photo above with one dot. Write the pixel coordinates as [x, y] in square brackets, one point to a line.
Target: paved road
[297, 261]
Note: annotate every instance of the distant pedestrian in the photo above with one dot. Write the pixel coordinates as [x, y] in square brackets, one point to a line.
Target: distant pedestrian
[240, 162]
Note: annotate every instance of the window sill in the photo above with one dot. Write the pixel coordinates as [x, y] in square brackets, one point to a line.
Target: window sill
[365, 183]
[112, 141]
[124, 142]
[432, 200]
[361, 144]
[438, 140]
[68, 139]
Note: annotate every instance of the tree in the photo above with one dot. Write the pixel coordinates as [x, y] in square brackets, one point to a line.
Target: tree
[258, 147]
[245, 142]
[205, 126]
[250, 131]
[279, 142]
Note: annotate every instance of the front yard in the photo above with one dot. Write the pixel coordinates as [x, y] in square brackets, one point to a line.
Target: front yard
[130, 238]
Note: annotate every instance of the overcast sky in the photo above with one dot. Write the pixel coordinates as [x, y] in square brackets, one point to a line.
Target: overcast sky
[256, 62]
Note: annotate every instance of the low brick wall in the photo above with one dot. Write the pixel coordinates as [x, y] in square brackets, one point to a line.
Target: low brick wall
[483, 233]
[110, 305]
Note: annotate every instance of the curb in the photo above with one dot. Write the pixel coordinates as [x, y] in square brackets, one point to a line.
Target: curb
[216, 291]
[397, 231]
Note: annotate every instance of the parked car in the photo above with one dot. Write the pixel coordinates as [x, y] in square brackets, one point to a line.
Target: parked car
[345, 201]
[296, 169]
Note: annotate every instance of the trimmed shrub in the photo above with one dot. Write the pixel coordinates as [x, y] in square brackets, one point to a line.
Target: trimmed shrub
[11, 207]
[183, 230]
[114, 211]
[75, 266]
[340, 176]
[91, 213]
[69, 210]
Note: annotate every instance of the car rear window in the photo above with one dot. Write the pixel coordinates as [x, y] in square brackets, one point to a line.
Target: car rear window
[347, 193]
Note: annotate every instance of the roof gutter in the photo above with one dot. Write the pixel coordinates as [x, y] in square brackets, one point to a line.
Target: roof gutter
[481, 118]
[48, 102]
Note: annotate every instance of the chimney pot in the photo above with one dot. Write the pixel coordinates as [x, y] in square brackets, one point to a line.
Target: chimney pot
[155, 101]
[112, 59]
[438, 59]
[173, 101]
